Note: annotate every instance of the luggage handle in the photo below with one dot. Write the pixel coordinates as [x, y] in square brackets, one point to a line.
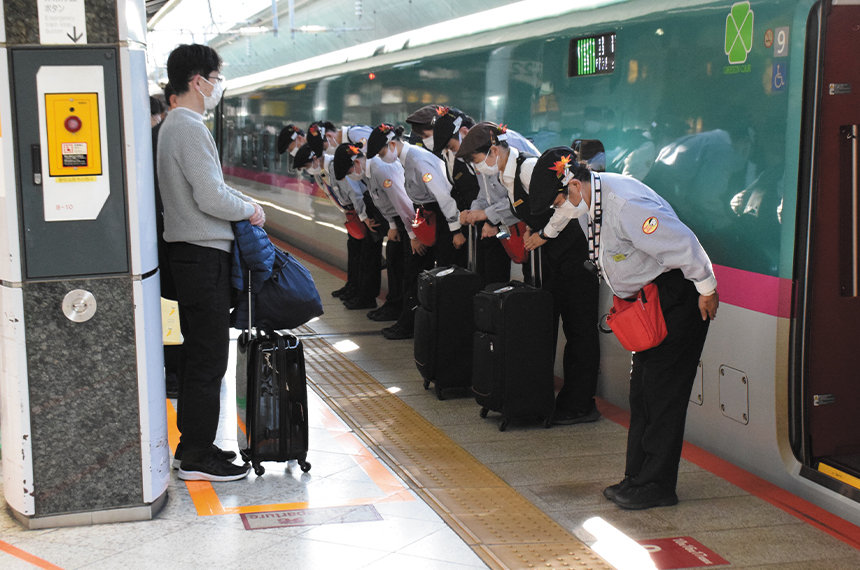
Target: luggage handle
[472, 240]
[536, 268]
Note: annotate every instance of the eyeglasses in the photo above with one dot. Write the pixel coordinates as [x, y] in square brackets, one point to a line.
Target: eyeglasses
[216, 79]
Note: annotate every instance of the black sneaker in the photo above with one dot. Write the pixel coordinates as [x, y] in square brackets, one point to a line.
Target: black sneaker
[212, 468]
[613, 490]
[359, 303]
[221, 454]
[344, 291]
[563, 418]
[384, 313]
[638, 497]
[396, 332]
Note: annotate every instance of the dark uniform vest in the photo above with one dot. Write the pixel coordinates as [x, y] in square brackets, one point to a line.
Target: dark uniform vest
[520, 207]
[465, 185]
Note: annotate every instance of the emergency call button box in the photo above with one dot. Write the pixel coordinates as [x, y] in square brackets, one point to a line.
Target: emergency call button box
[74, 144]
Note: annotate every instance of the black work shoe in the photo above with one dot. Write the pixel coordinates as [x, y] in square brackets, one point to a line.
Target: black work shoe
[384, 313]
[344, 291]
[358, 303]
[221, 454]
[612, 490]
[637, 497]
[396, 332]
[563, 418]
[212, 468]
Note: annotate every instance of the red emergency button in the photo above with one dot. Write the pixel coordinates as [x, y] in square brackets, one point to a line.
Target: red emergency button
[73, 124]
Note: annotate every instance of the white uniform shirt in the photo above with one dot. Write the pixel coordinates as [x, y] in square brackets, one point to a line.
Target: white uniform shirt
[426, 181]
[346, 193]
[642, 238]
[385, 184]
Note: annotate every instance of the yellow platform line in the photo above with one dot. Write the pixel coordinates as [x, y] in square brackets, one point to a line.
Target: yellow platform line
[502, 527]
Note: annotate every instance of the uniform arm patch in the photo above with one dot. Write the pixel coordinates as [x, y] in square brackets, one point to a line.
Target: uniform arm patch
[650, 225]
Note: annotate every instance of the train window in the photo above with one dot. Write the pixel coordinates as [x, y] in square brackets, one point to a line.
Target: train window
[591, 55]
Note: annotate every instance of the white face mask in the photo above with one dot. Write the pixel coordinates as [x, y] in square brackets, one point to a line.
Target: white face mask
[211, 101]
[295, 150]
[355, 175]
[485, 168]
[428, 143]
[571, 211]
[314, 170]
[390, 155]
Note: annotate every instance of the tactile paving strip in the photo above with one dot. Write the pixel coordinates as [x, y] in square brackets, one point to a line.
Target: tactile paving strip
[501, 526]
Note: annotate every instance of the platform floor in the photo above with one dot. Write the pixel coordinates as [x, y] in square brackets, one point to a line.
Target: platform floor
[400, 479]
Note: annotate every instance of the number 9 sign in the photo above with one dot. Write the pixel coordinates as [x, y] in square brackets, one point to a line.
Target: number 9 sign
[780, 43]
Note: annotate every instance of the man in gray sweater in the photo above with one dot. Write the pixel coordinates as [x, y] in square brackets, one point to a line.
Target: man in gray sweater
[198, 210]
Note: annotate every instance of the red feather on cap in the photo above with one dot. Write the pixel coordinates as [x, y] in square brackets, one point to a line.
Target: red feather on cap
[442, 111]
[560, 167]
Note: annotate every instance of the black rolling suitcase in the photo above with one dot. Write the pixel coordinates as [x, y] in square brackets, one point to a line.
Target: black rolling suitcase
[276, 413]
[444, 326]
[514, 350]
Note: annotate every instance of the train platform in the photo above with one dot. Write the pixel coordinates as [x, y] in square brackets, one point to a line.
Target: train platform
[401, 479]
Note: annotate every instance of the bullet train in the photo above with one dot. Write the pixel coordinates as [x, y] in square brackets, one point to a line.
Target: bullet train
[743, 115]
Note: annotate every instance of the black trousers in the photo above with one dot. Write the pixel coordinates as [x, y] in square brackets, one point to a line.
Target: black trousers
[202, 278]
[395, 262]
[369, 266]
[575, 292]
[660, 382]
[353, 261]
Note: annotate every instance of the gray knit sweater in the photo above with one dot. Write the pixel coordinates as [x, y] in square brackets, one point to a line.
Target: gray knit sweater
[198, 205]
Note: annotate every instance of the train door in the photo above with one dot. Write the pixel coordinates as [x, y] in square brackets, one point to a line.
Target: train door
[830, 394]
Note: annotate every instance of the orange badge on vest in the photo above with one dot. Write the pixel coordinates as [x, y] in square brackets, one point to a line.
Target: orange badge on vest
[650, 225]
[427, 177]
[387, 184]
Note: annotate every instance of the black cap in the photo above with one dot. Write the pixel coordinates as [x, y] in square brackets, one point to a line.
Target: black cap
[379, 137]
[287, 135]
[448, 122]
[479, 138]
[423, 117]
[344, 155]
[316, 134]
[304, 156]
[548, 177]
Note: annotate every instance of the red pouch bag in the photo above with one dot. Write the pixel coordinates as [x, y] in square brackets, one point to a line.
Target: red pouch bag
[514, 245]
[354, 226]
[424, 226]
[638, 324]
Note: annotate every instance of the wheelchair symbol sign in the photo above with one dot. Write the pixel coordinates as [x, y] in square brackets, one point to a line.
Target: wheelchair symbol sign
[779, 77]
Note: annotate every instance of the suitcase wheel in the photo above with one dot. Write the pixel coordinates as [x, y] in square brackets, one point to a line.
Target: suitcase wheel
[439, 393]
[484, 412]
[305, 465]
[245, 455]
[426, 384]
[259, 469]
[504, 425]
[547, 423]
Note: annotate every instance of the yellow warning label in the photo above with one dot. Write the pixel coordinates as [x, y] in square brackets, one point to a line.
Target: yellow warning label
[63, 179]
[74, 134]
[839, 475]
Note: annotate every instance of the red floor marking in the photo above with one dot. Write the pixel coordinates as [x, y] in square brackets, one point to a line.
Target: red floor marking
[27, 557]
[681, 552]
[754, 485]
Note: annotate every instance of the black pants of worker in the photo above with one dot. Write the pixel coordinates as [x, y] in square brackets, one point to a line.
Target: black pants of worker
[394, 266]
[491, 260]
[202, 278]
[575, 292]
[353, 262]
[660, 382]
[369, 269]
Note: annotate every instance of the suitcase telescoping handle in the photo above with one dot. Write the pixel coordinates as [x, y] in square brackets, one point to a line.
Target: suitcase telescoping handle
[535, 267]
[473, 247]
[250, 302]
